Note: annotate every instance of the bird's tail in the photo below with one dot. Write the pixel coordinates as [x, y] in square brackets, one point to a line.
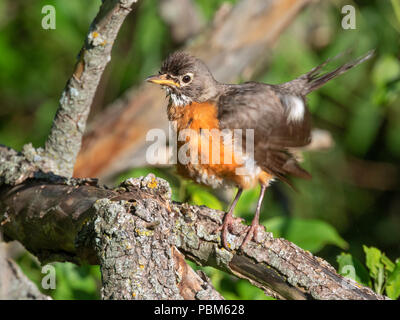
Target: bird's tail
[313, 79]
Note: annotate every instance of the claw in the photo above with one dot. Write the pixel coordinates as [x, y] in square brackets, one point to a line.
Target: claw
[225, 228]
[250, 234]
[229, 220]
[254, 224]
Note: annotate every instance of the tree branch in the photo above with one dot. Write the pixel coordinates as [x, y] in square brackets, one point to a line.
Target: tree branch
[132, 230]
[83, 223]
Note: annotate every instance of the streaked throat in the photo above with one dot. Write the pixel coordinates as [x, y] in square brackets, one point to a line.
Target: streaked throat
[179, 100]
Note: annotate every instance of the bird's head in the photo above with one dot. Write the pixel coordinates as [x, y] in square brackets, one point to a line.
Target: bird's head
[186, 79]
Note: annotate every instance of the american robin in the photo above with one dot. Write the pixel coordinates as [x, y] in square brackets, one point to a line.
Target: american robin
[276, 117]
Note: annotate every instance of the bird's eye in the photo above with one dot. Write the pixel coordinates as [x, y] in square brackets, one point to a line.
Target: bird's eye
[186, 78]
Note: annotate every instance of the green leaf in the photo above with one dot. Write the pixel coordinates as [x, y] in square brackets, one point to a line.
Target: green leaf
[352, 268]
[310, 235]
[393, 282]
[373, 261]
[376, 267]
[389, 265]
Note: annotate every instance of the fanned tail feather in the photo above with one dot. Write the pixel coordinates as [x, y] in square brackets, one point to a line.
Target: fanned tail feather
[313, 79]
[316, 80]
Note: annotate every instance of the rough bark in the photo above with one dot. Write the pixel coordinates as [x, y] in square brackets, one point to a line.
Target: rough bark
[128, 257]
[127, 231]
[132, 230]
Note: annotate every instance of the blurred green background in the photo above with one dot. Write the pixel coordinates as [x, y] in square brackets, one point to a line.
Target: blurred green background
[351, 204]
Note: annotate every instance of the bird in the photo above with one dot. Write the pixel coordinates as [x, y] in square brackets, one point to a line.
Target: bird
[275, 118]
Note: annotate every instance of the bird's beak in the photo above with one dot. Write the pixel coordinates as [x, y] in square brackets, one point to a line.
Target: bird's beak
[162, 80]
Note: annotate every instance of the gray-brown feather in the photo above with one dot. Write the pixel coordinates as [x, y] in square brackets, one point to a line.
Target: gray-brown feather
[313, 79]
[270, 111]
[261, 107]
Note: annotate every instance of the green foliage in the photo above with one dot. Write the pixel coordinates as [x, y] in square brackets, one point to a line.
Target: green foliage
[311, 235]
[75, 282]
[385, 74]
[72, 281]
[352, 268]
[232, 288]
[376, 267]
[393, 281]
[381, 269]
[380, 273]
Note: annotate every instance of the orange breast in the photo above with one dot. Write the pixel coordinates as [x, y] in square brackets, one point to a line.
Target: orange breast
[213, 160]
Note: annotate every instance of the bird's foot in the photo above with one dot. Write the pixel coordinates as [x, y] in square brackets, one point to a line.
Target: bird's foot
[225, 228]
[251, 233]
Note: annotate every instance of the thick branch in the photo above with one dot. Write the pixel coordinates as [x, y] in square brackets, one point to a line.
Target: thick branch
[127, 231]
[64, 141]
[71, 222]
[135, 262]
[269, 263]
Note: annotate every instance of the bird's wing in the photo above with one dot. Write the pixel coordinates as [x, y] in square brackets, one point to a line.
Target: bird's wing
[280, 122]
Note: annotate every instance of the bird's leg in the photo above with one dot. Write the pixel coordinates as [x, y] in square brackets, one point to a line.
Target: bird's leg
[228, 219]
[255, 223]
